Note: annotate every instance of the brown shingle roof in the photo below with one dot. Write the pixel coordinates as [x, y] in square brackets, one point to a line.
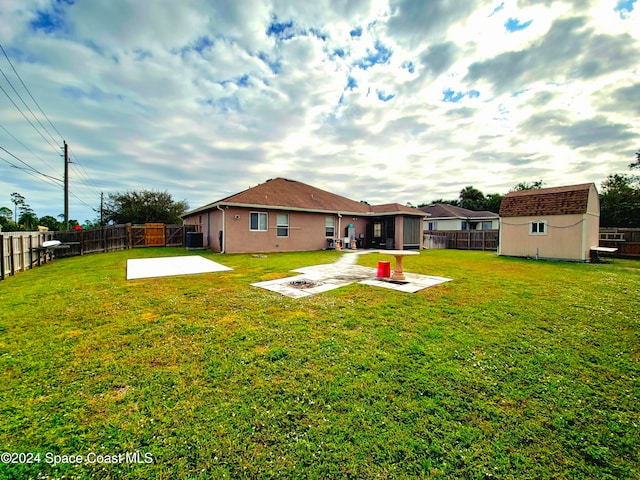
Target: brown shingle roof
[567, 200]
[291, 194]
[395, 208]
[443, 210]
[282, 192]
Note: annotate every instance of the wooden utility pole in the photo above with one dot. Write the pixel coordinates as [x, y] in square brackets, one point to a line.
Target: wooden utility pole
[66, 186]
[101, 209]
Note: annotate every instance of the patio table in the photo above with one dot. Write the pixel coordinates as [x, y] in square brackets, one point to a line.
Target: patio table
[398, 272]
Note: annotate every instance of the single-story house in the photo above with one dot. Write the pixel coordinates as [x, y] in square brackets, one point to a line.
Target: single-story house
[443, 216]
[554, 223]
[283, 215]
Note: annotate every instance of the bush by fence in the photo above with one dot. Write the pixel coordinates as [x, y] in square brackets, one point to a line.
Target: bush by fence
[20, 251]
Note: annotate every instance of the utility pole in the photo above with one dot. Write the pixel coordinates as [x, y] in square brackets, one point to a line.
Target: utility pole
[101, 209]
[66, 186]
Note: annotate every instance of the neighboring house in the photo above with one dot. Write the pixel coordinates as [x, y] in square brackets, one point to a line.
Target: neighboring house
[448, 217]
[555, 223]
[285, 215]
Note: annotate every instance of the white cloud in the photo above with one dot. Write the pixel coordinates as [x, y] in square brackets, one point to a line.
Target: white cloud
[384, 101]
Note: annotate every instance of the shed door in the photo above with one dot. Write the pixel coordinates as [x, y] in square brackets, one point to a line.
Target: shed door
[411, 233]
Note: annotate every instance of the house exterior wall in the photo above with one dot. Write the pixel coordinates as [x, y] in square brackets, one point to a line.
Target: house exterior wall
[563, 238]
[210, 223]
[444, 224]
[399, 232]
[307, 231]
[495, 224]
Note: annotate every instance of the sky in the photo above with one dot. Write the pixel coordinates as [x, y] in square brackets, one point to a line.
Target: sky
[383, 101]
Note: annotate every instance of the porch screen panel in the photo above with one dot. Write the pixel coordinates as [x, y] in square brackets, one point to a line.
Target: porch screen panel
[411, 232]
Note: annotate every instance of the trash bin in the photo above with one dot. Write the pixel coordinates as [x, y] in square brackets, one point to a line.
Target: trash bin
[384, 269]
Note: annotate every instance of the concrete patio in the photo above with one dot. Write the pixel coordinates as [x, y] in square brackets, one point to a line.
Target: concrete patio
[322, 278]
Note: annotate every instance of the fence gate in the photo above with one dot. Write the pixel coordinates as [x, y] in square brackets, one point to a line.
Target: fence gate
[175, 235]
[148, 235]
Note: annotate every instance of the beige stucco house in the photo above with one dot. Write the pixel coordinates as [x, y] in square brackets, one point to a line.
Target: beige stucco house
[553, 223]
[283, 215]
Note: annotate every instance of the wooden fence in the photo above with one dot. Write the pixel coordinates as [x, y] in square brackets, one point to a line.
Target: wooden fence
[626, 240]
[462, 239]
[20, 251]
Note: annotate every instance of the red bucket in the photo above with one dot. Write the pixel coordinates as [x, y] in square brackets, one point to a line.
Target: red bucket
[384, 269]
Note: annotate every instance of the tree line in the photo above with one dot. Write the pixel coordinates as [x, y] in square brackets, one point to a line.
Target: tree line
[135, 207]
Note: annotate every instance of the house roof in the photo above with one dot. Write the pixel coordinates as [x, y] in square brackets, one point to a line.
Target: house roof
[443, 210]
[566, 200]
[395, 208]
[285, 194]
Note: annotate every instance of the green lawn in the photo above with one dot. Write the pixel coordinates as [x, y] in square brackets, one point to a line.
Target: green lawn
[515, 369]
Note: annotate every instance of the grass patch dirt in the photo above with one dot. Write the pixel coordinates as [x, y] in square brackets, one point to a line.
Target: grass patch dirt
[515, 369]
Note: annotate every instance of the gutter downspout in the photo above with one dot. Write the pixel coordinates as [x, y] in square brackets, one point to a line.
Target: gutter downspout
[339, 227]
[209, 228]
[224, 236]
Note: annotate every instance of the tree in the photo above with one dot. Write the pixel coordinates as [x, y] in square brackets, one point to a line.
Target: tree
[620, 201]
[471, 198]
[146, 206]
[50, 222]
[537, 185]
[492, 202]
[635, 164]
[19, 202]
[440, 200]
[6, 216]
[28, 219]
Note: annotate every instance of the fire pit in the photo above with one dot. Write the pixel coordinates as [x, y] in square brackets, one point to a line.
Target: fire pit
[304, 283]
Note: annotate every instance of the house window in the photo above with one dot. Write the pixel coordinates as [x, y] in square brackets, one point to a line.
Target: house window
[464, 226]
[282, 225]
[487, 225]
[538, 228]
[329, 227]
[258, 222]
[377, 229]
[432, 226]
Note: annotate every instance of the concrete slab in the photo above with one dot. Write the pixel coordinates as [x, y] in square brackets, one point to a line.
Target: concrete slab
[169, 266]
[344, 272]
[414, 283]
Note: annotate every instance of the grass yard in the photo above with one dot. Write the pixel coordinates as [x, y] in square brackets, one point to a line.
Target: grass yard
[515, 369]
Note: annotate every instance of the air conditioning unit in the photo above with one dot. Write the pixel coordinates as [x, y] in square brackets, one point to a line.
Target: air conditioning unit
[195, 241]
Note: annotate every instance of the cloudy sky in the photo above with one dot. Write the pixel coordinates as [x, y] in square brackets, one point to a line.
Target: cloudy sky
[384, 101]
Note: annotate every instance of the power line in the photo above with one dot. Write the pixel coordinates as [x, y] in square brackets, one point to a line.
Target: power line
[84, 176]
[28, 91]
[25, 117]
[82, 172]
[32, 152]
[35, 173]
[29, 167]
[25, 104]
